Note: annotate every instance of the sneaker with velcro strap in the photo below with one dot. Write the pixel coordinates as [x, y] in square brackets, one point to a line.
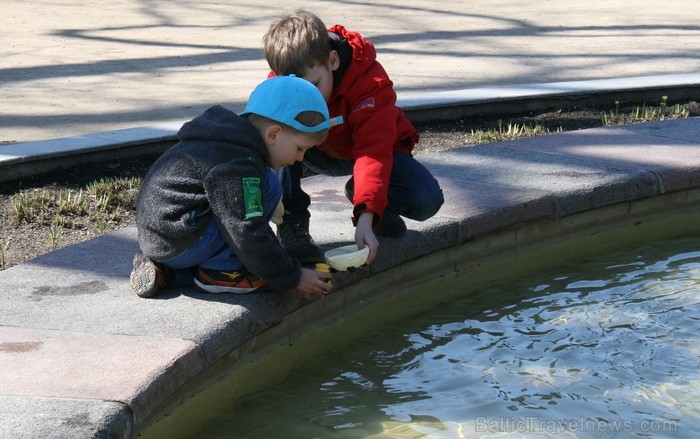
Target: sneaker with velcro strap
[239, 281]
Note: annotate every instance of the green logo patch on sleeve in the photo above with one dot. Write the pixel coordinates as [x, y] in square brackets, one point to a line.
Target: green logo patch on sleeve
[252, 197]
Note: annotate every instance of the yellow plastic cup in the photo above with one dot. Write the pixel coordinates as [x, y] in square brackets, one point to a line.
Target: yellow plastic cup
[324, 268]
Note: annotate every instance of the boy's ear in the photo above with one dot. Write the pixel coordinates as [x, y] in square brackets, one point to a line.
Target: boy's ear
[334, 60]
[271, 133]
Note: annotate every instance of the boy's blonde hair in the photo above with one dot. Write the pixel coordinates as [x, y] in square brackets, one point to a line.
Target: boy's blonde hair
[296, 43]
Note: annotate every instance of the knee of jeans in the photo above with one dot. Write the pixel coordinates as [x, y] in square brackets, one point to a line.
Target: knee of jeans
[426, 206]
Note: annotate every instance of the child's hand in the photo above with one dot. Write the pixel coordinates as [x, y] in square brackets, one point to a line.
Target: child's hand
[314, 284]
[364, 236]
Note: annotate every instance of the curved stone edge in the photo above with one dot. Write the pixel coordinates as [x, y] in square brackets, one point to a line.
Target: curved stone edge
[562, 185]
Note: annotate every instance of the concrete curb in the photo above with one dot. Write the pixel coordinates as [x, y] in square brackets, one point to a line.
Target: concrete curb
[519, 99]
[20, 160]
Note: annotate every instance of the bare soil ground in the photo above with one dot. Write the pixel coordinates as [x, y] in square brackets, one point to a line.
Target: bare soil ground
[22, 240]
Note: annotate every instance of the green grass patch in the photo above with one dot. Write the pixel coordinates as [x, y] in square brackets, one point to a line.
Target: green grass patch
[4, 246]
[99, 202]
[510, 132]
[644, 113]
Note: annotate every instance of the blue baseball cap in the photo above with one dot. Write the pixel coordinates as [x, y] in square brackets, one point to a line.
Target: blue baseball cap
[283, 98]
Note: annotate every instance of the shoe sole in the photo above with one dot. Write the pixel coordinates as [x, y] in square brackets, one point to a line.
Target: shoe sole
[218, 289]
[144, 277]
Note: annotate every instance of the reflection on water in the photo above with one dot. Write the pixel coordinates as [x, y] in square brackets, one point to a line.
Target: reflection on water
[607, 348]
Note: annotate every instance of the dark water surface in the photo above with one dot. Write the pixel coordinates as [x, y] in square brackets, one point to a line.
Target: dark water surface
[607, 348]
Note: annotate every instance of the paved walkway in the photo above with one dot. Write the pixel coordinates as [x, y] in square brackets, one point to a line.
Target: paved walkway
[69, 68]
[81, 356]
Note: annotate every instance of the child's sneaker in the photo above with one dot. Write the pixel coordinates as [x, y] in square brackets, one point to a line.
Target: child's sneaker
[238, 281]
[148, 276]
[391, 225]
[295, 238]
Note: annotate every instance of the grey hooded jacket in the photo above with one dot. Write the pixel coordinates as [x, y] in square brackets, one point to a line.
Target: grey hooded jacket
[214, 173]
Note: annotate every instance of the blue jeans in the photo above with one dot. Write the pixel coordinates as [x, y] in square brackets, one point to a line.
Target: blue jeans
[413, 192]
[211, 250]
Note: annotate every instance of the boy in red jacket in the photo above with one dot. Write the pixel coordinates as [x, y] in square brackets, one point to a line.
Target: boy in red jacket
[374, 144]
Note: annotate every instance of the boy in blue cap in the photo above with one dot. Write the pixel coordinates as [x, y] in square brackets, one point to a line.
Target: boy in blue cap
[204, 207]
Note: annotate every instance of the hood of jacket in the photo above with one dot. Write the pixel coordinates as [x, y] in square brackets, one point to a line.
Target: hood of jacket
[363, 56]
[219, 124]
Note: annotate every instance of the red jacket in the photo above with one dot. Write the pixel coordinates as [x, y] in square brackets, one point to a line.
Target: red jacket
[373, 128]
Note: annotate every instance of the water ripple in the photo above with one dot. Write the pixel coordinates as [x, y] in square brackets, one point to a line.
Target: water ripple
[607, 348]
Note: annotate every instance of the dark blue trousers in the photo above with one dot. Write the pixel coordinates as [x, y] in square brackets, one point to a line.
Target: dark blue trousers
[413, 192]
